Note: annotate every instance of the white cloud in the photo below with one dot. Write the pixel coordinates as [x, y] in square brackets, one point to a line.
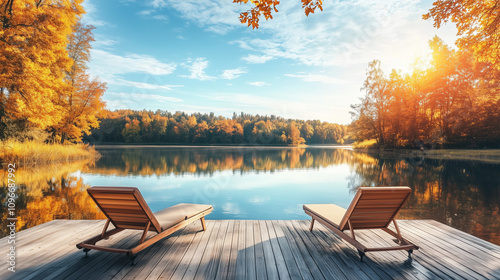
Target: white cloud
[145, 12]
[135, 97]
[345, 33]
[259, 84]
[106, 64]
[103, 42]
[231, 74]
[142, 85]
[90, 16]
[303, 107]
[251, 58]
[315, 78]
[161, 18]
[159, 3]
[215, 16]
[197, 69]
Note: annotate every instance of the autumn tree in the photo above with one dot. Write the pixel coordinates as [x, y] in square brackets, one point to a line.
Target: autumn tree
[267, 7]
[293, 133]
[477, 22]
[131, 131]
[81, 101]
[372, 112]
[34, 58]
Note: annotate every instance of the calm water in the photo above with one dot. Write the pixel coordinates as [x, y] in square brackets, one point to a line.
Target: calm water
[265, 183]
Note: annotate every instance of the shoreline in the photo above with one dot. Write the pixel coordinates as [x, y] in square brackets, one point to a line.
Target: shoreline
[481, 155]
[267, 146]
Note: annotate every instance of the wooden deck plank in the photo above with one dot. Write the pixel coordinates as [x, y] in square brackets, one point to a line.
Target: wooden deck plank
[445, 248]
[291, 265]
[192, 258]
[232, 249]
[240, 270]
[311, 265]
[400, 258]
[334, 253]
[328, 268]
[270, 262]
[349, 254]
[98, 258]
[233, 233]
[148, 261]
[39, 257]
[58, 263]
[260, 261]
[212, 254]
[171, 258]
[225, 252]
[462, 240]
[250, 272]
[395, 263]
[489, 247]
[299, 259]
[277, 253]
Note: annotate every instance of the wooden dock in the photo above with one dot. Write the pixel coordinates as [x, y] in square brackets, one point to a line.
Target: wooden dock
[239, 249]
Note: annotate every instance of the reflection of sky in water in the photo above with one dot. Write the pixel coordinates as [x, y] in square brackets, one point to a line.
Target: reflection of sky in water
[266, 195]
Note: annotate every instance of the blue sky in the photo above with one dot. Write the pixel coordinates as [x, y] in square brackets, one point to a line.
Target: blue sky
[195, 55]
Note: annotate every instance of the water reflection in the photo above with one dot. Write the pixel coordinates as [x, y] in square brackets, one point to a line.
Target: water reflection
[265, 183]
[206, 161]
[45, 194]
[459, 193]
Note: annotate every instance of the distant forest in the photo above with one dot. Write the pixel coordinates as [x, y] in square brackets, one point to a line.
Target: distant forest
[163, 127]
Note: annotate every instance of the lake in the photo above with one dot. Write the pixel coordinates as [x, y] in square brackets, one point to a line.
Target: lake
[264, 183]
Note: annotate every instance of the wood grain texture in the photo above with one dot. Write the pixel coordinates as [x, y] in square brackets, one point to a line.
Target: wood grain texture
[240, 249]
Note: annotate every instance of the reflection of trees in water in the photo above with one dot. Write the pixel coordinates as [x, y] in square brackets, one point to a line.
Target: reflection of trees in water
[462, 194]
[209, 160]
[48, 193]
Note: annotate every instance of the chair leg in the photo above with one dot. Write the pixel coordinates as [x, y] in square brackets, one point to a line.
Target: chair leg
[133, 260]
[361, 255]
[312, 224]
[202, 219]
[409, 253]
[86, 252]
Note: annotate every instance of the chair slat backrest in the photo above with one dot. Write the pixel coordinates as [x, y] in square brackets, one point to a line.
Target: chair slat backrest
[374, 207]
[124, 207]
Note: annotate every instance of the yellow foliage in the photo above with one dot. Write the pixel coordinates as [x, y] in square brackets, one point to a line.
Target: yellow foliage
[34, 153]
[33, 40]
[477, 22]
[365, 144]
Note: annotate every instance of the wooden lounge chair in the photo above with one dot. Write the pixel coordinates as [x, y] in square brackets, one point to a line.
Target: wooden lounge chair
[125, 208]
[371, 208]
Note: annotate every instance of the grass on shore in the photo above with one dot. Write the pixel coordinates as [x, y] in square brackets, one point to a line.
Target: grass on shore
[484, 155]
[366, 144]
[30, 153]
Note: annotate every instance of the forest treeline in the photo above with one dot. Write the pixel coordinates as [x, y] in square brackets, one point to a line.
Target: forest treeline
[450, 101]
[129, 126]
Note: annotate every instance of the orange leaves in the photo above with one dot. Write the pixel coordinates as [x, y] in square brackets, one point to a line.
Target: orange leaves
[266, 7]
[477, 22]
[33, 38]
[81, 100]
[309, 6]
